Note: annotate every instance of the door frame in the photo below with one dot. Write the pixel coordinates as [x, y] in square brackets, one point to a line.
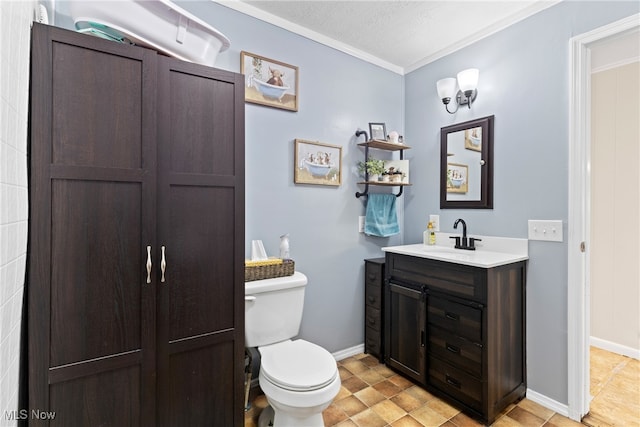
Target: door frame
[578, 285]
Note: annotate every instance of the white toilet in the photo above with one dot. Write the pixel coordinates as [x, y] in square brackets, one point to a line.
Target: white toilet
[299, 379]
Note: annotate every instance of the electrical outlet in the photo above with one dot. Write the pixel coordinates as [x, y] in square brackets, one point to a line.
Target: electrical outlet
[435, 221]
[361, 224]
[548, 230]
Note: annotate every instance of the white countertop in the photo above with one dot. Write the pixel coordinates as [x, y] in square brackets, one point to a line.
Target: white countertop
[490, 252]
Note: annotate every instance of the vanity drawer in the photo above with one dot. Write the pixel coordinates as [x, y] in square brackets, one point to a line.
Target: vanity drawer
[455, 279]
[372, 318]
[372, 341]
[455, 383]
[454, 317]
[373, 296]
[458, 351]
[373, 272]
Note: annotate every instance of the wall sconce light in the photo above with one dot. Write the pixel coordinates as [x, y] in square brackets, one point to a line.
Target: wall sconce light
[467, 81]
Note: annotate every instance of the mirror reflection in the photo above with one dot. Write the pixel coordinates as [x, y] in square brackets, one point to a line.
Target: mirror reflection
[464, 159]
[466, 165]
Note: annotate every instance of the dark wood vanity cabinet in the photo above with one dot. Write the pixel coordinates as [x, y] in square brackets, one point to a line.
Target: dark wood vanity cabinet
[373, 293]
[458, 330]
[136, 236]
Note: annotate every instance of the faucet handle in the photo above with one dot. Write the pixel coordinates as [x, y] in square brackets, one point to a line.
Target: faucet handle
[472, 241]
[457, 241]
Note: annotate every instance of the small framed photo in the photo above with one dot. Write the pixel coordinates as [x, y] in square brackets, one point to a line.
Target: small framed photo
[457, 178]
[269, 82]
[378, 131]
[317, 163]
[473, 139]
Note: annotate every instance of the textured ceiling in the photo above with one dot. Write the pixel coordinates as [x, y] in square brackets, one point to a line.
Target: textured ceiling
[401, 34]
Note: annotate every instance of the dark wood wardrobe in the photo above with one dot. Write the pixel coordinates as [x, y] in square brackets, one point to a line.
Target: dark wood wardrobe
[136, 236]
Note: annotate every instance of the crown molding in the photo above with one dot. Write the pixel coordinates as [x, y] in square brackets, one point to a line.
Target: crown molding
[260, 14]
[492, 29]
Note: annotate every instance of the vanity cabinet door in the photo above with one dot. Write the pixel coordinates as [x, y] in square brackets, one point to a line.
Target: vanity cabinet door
[405, 330]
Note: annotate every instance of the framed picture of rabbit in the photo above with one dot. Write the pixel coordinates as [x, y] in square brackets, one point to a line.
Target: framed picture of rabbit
[269, 82]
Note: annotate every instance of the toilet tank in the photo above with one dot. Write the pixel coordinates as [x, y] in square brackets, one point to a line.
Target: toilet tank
[273, 309]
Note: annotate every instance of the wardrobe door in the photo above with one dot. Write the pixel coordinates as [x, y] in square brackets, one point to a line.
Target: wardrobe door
[201, 227]
[92, 162]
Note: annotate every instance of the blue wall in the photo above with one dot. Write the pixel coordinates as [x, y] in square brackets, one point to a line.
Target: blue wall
[524, 82]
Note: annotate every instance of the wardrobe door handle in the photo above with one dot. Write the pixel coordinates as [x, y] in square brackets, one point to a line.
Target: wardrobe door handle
[149, 265]
[163, 265]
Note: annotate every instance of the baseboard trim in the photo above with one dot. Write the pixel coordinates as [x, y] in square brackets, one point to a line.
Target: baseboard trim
[348, 352]
[615, 348]
[548, 403]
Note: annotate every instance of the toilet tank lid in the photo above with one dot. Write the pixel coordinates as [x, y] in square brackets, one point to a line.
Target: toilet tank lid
[267, 285]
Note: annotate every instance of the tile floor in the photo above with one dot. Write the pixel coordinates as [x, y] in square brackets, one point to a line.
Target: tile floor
[615, 387]
[372, 395]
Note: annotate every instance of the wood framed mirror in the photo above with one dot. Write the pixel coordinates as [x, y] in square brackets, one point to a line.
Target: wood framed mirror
[466, 165]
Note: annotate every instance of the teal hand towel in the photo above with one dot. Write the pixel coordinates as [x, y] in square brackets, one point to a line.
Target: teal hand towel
[381, 219]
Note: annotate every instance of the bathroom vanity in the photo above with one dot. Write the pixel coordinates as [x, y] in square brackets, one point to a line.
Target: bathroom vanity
[454, 322]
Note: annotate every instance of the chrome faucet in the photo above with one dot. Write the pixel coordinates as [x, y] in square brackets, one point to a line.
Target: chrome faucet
[464, 242]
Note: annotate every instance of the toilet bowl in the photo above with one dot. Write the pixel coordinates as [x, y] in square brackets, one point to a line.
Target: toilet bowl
[299, 378]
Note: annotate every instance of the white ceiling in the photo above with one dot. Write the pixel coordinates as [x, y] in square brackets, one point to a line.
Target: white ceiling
[395, 34]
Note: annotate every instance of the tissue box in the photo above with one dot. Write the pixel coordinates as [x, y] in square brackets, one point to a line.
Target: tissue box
[258, 270]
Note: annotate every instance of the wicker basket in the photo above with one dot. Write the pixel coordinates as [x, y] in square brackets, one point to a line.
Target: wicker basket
[260, 272]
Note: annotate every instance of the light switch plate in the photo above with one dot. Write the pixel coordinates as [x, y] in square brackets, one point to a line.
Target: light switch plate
[361, 224]
[548, 230]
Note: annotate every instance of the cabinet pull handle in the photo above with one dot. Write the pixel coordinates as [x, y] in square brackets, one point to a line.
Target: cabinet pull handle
[452, 348]
[149, 265]
[452, 381]
[163, 265]
[451, 316]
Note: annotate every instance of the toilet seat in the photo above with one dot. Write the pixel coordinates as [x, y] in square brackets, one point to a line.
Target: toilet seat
[298, 365]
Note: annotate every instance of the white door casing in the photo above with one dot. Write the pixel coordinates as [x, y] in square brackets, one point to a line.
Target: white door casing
[578, 289]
